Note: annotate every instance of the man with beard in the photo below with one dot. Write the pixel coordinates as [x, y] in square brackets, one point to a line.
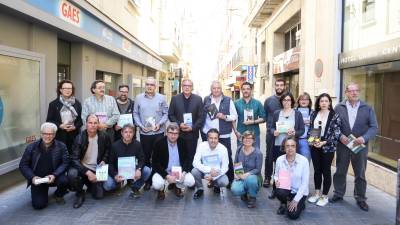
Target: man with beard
[250, 114]
[271, 104]
[125, 106]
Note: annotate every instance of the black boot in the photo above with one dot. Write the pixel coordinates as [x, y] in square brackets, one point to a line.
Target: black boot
[80, 198]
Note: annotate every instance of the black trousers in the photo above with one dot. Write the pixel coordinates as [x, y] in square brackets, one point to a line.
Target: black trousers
[285, 196]
[191, 146]
[147, 142]
[322, 168]
[40, 193]
[77, 180]
[269, 154]
[227, 143]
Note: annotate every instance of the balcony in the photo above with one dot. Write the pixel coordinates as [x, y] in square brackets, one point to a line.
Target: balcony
[262, 10]
[243, 57]
[169, 51]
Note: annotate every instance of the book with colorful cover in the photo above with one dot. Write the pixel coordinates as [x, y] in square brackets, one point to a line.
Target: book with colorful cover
[102, 172]
[356, 148]
[102, 116]
[127, 167]
[248, 115]
[176, 171]
[214, 162]
[284, 179]
[238, 168]
[283, 127]
[150, 122]
[125, 119]
[187, 119]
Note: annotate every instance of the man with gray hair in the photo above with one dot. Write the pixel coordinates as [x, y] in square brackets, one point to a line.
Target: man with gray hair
[150, 114]
[43, 164]
[358, 120]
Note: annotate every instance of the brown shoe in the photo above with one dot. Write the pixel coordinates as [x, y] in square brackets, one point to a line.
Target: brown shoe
[161, 195]
[178, 192]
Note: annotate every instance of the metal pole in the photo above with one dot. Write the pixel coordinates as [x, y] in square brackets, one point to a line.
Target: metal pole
[398, 194]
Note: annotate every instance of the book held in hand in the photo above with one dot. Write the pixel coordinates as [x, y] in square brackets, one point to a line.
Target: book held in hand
[43, 180]
[315, 135]
[212, 111]
[102, 116]
[284, 179]
[125, 119]
[248, 115]
[150, 122]
[214, 162]
[176, 171]
[102, 172]
[127, 167]
[354, 147]
[283, 127]
[187, 119]
[238, 168]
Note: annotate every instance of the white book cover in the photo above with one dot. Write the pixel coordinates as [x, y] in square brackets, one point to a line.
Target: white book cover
[176, 171]
[127, 167]
[125, 119]
[248, 115]
[283, 127]
[187, 119]
[102, 172]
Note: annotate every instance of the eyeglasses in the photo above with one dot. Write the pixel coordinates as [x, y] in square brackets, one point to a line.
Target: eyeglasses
[148, 84]
[187, 85]
[353, 91]
[286, 100]
[47, 134]
[66, 88]
[173, 133]
[304, 99]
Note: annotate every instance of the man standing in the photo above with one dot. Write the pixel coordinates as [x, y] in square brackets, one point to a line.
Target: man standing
[103, 106]
[127, 146]
[271, 104]
[250, 114]
[170, 153]
[219, 112]
[186, 109]
[90, 149]
[211, 163]
[43, 164]
[359, 120]
[150, 114]
[125, 107]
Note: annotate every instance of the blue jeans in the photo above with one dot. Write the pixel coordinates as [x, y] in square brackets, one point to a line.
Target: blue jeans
[304, 148]
[248, 186]
[111, 184]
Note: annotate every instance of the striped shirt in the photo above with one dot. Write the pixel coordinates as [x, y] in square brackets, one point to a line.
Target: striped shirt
[106, 105]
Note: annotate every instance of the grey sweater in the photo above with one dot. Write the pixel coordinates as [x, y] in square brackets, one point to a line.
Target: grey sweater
[251, 163]
[365, 124]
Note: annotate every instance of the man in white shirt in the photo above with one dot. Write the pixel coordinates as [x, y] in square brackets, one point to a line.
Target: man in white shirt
[211, 163]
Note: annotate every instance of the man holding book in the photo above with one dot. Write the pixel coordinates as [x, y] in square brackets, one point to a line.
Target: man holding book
[43, 164]
[219, 113]
[358, 122]
[150, 114]
[89, 156]
[250, 114]
[186, 109]
[211, 163]
[125, 108]
[126, 163]
[171, 163]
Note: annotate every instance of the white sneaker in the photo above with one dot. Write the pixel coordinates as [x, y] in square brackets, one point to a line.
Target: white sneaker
[322, 201]
[314, 198]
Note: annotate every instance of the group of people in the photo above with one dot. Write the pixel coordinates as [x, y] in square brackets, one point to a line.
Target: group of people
[78, 139]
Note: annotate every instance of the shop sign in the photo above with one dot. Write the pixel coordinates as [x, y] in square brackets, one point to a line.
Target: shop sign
[70, 13]
[286, 61]
[251, 73]
[378, 53]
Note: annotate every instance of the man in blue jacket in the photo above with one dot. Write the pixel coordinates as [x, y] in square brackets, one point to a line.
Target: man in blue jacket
[358, 119]
[43, 164]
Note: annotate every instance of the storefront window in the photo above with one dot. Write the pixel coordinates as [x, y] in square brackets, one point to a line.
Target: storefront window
[380, 88]
[19, 105]
[361, 20]
[111, 81]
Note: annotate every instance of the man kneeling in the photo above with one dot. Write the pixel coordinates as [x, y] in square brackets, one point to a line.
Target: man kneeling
[43, 164]
[211, 163]
[171, 163]
[127, 151]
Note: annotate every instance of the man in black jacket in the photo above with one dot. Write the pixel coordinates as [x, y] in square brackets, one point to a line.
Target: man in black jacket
[187, 105]
[43, 164]
[125, 106]
[90, 149]
[169, 153]
[125, 149]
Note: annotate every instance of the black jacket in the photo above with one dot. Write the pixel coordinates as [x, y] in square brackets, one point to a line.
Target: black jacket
[120, 149]
[81, 144]
[30, 158]
[177, 109]
[161, 156]
[53, 116]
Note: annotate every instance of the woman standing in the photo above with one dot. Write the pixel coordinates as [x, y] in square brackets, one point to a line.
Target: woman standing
[292, 173]
[323, 150]
[65, 112]
[286, 122]
[304, 105]
[248, 163]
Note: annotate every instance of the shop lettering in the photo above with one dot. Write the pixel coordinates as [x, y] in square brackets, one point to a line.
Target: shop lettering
[70, 13]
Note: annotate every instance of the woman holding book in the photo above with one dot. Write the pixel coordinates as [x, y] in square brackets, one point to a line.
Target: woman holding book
[247, 166]
[291, 177]
[304, 105]
[65, 113]
[286, 122]
[326, 123]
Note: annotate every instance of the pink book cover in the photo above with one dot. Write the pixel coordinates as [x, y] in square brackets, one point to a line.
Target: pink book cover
[284, 179]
